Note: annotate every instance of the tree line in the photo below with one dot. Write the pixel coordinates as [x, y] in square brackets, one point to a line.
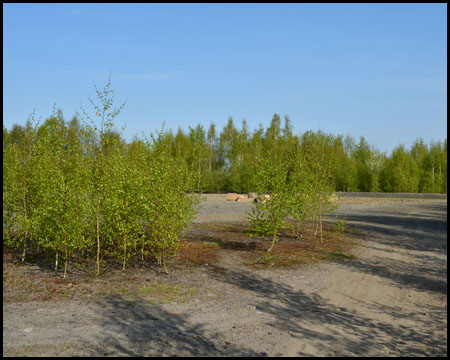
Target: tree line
[222, 160]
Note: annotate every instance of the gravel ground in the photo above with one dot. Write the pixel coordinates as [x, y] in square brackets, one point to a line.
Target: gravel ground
[391, 300]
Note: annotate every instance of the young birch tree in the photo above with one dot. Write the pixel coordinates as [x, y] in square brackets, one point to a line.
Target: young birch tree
[275, 196]
[107, 115]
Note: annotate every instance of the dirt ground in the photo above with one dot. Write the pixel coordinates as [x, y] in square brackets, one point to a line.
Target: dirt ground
[386, 296]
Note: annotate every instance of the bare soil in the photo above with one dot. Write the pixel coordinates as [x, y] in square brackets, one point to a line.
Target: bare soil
[378, 289]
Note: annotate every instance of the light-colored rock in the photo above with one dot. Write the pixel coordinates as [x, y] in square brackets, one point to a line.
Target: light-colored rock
[232, 196]
[243, 198]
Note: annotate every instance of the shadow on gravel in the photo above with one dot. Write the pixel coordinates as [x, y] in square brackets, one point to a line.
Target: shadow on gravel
[435, 207]
[408, 232]
[426, 268]
[357, 335]
[141, 329]
[419, 276]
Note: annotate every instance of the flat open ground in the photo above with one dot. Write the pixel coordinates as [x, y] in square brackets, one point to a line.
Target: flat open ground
[385, 296]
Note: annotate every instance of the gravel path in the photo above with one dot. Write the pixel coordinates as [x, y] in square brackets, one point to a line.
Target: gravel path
[389, 301]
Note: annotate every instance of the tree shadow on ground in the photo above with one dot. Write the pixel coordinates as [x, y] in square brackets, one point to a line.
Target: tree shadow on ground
[341, 332]
[422, 274]
[404, 231]
[421, 239]
[137, 328]
[442, 208]
[422, 242]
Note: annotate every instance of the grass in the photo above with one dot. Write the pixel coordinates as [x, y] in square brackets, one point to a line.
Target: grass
[163, 293]
[205, 240]
[292, 254]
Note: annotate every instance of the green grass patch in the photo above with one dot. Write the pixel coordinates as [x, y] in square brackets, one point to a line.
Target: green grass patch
[209, 243]
[162, 293]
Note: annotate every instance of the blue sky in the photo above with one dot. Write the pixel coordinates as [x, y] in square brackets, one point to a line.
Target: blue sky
[372, 70]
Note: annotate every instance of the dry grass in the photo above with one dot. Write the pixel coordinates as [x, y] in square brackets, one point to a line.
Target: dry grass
[198, 252]
[206, 240]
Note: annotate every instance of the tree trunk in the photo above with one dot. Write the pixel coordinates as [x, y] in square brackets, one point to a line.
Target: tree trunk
[98, 244]
[432, 177]
[210, 162]
[66, 264]
[199, 175]
[24, 247]
[24, 212]
[164, 265]
[124, 252]
[273, 241]
[320, 221]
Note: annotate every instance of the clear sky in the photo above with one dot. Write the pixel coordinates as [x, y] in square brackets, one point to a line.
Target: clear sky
[372, 70]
